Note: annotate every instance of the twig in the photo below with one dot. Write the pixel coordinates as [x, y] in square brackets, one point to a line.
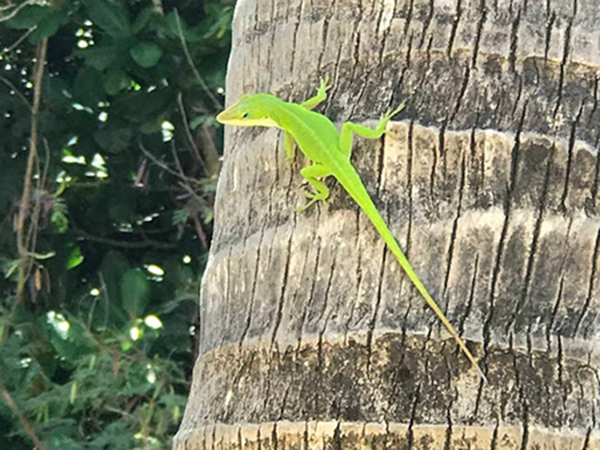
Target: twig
[38, 73]
[211, 155]
[15, 44]
[188, 135]
[15, 11]
[200, 202]
[122, 244]
[177, 162]
[18, 93]
[200, 232]
[163, 166]
[24, 422]
[32, 233]
[188, 57]
[186, 187]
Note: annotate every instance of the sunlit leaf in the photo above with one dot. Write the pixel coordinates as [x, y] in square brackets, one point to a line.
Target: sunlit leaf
[135, 292]
[75, 258]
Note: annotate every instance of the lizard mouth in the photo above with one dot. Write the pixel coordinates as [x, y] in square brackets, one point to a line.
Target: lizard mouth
[227, 117]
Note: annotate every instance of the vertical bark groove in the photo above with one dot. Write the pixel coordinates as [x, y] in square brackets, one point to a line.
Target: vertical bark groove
[311, 335]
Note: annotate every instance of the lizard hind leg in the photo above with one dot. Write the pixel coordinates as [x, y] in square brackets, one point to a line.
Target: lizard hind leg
[311, 175]
[290, 145]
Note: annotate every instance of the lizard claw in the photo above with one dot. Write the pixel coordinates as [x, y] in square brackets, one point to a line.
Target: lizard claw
[391, 114]
[304, 207]
[313, 198]
[324, 85]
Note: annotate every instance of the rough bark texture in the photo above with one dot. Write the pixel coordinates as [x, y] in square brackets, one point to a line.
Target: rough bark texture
[311, 336]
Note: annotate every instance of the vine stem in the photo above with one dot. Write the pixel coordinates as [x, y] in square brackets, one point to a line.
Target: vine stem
[24, 422]
[22, 247]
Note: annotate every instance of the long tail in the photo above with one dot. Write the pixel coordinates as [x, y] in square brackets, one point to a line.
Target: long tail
[352, 183]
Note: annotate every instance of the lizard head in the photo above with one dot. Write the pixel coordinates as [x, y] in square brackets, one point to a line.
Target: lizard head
[248, 111]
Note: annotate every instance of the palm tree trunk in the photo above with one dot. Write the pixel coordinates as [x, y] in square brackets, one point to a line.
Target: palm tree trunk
[311, 336]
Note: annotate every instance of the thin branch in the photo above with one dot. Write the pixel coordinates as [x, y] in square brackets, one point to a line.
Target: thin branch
[18, 93]
[200, 232]
[122, 244]
[188, 57]
[38, 73]
[24, 422]
[211, 155]
[188, 135]
[198, 199]
[15, 11]
[200, 202]
[186, 187]
[177, 162]
[15, 44]
[32, 234]
[166, 168]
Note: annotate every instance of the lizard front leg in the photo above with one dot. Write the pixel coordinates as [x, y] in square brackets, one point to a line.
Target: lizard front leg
[310, 104]
[310, 174]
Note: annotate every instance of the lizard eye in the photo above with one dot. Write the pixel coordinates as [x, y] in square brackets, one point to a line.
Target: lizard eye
[245, 115]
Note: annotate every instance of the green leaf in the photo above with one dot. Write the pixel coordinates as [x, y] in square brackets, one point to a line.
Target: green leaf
[49, 25]
[140, 106]
[56, 92]
[100, 57]
[60, 220]
[9, 183]
[143, 18]
[28, 17]
[114, 140]
[203, 119]
[75, 258]
[11, 267]
[135, 292]
[111, 16]
[63, 441]
[113, 265]
[178, 27]
[115, 81]
[180, 216]
[146, 54]
[219, 21]
[87, 87]
[123, 206]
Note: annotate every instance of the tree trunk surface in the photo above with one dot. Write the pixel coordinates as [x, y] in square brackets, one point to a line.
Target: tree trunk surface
[311, 335]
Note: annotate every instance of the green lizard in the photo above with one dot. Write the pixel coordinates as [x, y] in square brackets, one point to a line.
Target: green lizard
[330, 151]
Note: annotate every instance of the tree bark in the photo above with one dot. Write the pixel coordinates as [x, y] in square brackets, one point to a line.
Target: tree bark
[311, 335]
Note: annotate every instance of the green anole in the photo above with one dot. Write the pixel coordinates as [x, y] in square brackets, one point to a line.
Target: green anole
[329, 151]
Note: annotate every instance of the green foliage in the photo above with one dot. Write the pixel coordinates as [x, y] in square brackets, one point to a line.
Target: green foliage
[98, 351]
[135, 288]
[146, 54]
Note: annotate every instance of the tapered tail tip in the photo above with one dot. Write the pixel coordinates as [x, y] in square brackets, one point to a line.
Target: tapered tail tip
[481, 374]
